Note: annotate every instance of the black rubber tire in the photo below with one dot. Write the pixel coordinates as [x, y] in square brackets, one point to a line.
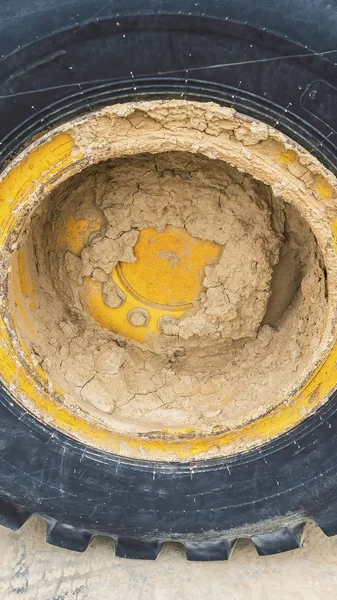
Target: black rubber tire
[273, 60]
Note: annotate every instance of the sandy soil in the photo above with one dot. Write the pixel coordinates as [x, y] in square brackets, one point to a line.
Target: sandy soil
[33, 570]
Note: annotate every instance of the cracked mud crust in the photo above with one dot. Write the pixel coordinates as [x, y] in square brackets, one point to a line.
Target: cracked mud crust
[233, 350]
[258, 325]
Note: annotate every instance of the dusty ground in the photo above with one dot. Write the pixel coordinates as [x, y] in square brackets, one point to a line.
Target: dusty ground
[33, 570]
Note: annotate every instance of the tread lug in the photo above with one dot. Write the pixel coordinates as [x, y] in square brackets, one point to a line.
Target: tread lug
[209, 550]
[66, 536]
[281, 540]
[328, 529]
[327, 521]
[12, 516]
[134, 548]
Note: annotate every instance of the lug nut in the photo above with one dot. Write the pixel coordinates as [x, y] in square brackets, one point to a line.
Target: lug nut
[112, 295]
[138, 317]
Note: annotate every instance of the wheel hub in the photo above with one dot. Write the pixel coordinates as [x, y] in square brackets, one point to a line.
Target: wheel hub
[162, 283]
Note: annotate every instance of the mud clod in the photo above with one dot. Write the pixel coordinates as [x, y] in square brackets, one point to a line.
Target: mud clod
[245, 337]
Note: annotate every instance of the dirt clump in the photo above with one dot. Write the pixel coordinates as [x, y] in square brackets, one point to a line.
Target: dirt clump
[245, 339]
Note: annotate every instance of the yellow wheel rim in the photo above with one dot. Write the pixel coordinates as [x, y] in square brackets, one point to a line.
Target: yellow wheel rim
[62, 153]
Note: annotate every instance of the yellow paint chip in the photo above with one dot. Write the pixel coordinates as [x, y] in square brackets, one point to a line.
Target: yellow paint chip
[75, 233]
[287, 157]
[324, 188]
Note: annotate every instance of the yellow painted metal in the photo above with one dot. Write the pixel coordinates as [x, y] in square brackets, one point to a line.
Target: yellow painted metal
[334, 234]
[169, 266]
[45, 162]
[74, 233]
[287, 157]
[24, 276]
[166, 277]
[324, 188]
[24, 178]
[116, 318]
[22, 289]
